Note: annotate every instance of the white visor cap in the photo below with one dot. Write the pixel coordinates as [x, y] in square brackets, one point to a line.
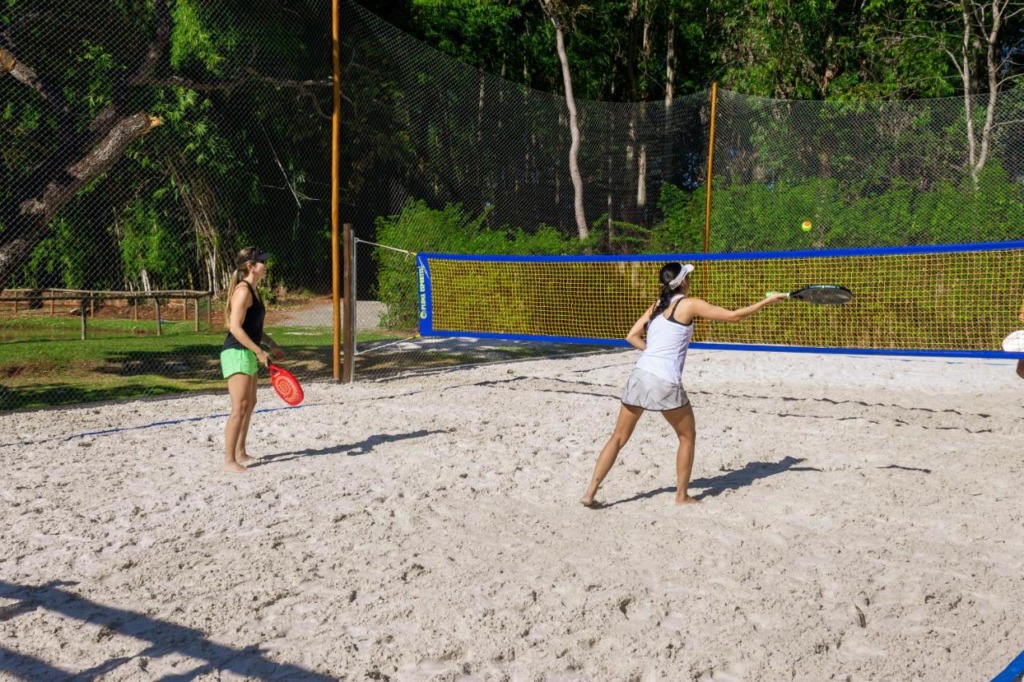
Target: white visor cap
[687, 269]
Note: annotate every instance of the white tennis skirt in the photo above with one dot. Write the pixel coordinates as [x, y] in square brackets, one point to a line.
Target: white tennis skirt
[651, 392]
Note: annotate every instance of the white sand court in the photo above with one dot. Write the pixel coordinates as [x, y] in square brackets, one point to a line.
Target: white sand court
[860, 519]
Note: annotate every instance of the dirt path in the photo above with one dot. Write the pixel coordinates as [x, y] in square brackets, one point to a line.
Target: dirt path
[318, 313]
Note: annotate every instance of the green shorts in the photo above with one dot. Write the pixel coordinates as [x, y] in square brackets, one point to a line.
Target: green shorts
[238, 360]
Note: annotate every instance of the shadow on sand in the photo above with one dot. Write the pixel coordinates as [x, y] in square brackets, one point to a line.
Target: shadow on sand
[164, 638]
[350, 449]
[732, 480]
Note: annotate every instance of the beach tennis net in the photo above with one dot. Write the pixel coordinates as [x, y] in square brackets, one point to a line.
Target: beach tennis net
[938, 300]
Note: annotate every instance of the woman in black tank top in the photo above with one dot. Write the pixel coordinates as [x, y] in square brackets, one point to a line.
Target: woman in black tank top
[242, 353]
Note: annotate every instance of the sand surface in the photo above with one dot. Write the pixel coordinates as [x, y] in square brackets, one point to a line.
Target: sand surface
[861, 519]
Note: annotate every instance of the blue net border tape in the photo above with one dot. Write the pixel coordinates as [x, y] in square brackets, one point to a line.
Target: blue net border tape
[1014, 672]
[662, 257]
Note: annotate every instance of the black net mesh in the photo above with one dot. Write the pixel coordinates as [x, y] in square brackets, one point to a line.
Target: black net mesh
[143, 143]
[865, 173]
[432, 129]
[451, 159]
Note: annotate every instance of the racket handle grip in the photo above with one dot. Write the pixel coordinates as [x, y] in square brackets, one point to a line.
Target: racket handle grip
[768, 294]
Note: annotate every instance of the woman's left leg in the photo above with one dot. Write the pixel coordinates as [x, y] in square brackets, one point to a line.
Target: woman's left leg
[683, 423]
[241, 456]
[1020, 368]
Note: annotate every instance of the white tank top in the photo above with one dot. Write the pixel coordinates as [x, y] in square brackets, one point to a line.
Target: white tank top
[667, 341]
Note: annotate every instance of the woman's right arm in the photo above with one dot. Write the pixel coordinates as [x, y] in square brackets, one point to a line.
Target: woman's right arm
[635, 337]
[241, 299]
[700, 308]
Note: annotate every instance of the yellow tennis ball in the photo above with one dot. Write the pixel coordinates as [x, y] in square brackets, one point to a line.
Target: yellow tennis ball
[806, 226]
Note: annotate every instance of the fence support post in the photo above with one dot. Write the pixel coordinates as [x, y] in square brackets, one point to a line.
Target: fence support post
[82, 309]
[156, 303]
[195, 312]
[209, 310]
[350, 306]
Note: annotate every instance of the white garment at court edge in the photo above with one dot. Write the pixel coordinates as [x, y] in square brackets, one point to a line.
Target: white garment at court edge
[667, 342]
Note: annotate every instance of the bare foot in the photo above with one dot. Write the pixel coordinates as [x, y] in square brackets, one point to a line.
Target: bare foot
[686, 500]
[244, 458]
[588, 500]
[234, 467]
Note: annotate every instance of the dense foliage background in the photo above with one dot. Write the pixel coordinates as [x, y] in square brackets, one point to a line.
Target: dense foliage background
[144, 141]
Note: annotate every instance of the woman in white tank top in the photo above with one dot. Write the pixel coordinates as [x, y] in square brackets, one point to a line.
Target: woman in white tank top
[656, 382]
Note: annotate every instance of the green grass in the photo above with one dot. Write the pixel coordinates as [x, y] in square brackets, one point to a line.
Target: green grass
[63, 370]
[43, 362]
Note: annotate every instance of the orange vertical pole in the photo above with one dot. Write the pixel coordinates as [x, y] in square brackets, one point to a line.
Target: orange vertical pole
[711, 168]
[335, 189]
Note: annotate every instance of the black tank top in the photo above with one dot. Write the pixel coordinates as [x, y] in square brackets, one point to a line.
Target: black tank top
[253, 322]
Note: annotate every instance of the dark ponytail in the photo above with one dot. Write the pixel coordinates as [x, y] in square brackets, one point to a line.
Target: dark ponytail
[668, 273]
[243, 263]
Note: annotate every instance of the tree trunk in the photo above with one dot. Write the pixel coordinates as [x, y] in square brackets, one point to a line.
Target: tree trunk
[670, 63]
[211, 224]
[640, 212]
[97, 161]
[982, 21]
[482, 183]
[609, 182]
[9, 64]
[79, 158]
[574, 129]
[991, 38]
[33, 213]
[670, 77]
[629, 212]
[641, 184]
[965, 75]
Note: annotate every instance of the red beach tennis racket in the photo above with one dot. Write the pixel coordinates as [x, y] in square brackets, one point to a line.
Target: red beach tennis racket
[286, 385]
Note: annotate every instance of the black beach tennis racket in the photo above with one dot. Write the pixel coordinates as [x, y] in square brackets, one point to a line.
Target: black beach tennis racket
[827, 294]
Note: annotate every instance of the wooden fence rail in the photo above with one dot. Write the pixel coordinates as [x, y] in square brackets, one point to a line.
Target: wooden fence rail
[87, 301]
